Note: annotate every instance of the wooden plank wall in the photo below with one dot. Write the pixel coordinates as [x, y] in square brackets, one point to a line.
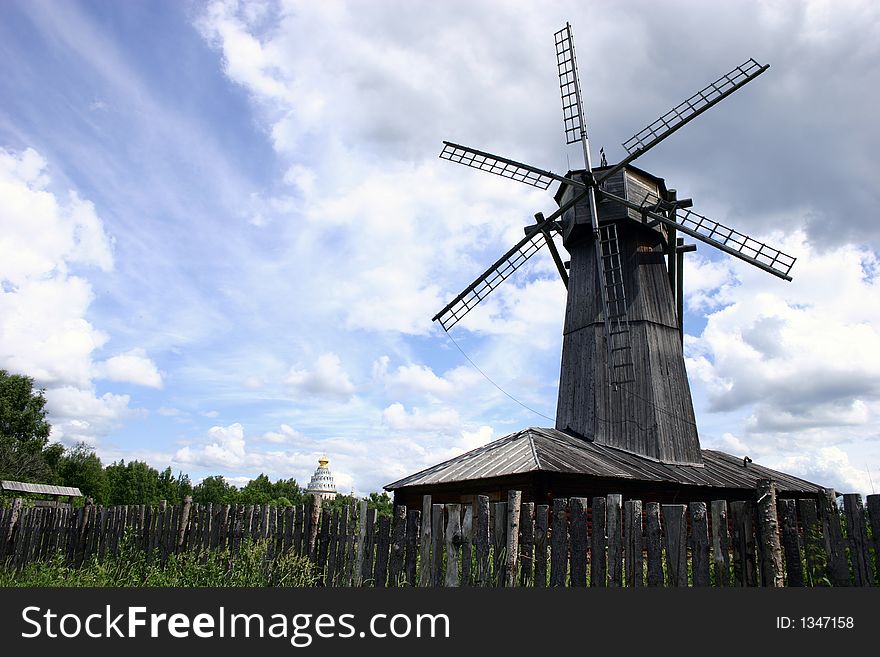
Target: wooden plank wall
[602, 541]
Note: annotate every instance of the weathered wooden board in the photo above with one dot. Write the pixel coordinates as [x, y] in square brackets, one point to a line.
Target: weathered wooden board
[720, 543]
[559, 543]
[675, 543]
[578, 538]
[598, 562]
[856, 528]
[633, 549]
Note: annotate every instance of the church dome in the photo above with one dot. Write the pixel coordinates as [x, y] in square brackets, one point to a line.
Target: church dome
[322, 482]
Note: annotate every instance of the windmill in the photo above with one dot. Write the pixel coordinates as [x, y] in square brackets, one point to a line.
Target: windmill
[623, 381]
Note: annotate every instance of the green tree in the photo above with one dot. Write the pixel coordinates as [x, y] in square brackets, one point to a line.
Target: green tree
[81, 467]
[173, 489]
[215, 490]
[24, 431]
[134, 482]
[257, 491]
[382, 503]
[288, 489]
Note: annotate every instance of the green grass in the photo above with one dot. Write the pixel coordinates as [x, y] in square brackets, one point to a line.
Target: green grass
[250, 568]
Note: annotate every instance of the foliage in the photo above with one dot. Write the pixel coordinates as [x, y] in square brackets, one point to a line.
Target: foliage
[214, 490]
[382, 503]
[250, 568]
[24, 431]
[80, 467]
[136, 482]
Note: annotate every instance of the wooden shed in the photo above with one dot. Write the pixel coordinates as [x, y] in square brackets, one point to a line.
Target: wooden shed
[548, 463]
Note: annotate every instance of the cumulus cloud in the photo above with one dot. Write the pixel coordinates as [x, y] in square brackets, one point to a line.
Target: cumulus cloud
[326, 378]
[399, 419]
[47, 244]
[804, 355]
[286, 434]
[133, 366]
[80, 415]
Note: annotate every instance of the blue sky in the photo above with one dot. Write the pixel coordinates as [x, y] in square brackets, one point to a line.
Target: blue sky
[225, 227]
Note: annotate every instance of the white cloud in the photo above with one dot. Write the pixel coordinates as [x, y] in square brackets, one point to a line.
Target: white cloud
[286, 434]
[830, 467]
[133, 366]
[399, 419]
[325, 379]
[79, 414]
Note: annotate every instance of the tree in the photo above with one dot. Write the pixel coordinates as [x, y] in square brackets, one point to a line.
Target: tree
[24, 431]
[173, 489]
[214, 490]
[382, 503]
[257, 491]
[132, 483]
[81, 467]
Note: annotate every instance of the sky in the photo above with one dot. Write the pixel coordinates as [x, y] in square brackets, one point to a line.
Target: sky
[224, 227]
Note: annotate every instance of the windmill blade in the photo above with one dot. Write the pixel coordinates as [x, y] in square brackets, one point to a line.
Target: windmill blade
[645, 139]
[729, 240]
[503, 267]
[491, 278]
[502, 166]
[569, 85]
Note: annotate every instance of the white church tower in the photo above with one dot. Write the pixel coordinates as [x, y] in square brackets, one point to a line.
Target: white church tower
[322, 486]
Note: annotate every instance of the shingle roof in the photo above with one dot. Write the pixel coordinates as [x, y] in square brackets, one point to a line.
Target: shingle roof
[550, 450]
[43, 489]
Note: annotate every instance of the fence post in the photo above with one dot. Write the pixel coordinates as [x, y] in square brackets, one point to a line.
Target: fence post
[467, 534]
[578, 537]
[413, 519]
[613, 527]
[542, 525]
[699, 543]
[358, 574]
[398, 547]
[453, 543]
[633, 543]
[514, 501]
[768, 530]
[675, 535]
[653, 537]
[499, 542]
[10, 526]
[813, 540]
[527, 544]
[858, 538]
[597, 544]
[838, 567]
[559, 543]
[369, 545]
[383, 545]
[425, 571]
[314, 517]
[184, 520]
[481, 541]
[790, 544]
[720, 543]
[436, 544]
[744, 569]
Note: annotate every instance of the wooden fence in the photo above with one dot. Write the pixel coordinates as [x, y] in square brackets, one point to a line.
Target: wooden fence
[576, 542]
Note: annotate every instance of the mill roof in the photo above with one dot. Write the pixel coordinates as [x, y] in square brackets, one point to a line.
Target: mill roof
[550, 450]
[660, 182]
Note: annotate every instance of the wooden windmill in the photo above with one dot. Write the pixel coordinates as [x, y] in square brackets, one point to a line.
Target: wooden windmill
[623, 382]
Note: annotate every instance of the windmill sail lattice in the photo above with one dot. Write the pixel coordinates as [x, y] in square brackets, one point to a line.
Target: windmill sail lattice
[572, 114]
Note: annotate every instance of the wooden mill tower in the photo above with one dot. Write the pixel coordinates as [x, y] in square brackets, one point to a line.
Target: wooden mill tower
[645, 406]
